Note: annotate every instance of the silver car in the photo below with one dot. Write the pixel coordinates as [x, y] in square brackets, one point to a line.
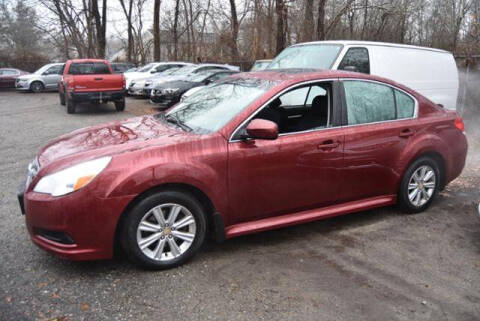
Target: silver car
[46, 78]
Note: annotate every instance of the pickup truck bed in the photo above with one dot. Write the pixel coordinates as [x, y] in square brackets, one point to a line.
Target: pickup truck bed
[91, 80]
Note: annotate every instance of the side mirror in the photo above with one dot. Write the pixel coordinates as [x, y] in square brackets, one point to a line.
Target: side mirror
[262, 129]
[207, 81]
[350, 68]
[153, 71]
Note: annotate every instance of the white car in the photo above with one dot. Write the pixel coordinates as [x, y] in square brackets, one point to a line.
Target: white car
[431, 72]
[150, 69]
[190, 92]
[46, 78]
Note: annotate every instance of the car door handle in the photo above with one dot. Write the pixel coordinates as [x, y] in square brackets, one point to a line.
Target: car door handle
[406, 133]
[328, 144]
[99, 78]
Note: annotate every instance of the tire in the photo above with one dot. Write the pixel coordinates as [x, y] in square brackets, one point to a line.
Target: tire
[120, 104]
[150, 246]
[423, 186]
[62, 98]
[37, 87]
[70, 106]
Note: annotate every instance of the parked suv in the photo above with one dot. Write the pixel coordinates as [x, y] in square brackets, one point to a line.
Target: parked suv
[46, 78]
[91, 80]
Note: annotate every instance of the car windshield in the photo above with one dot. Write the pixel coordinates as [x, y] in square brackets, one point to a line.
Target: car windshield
[185, 70]
[146, 68]
[318, 56]
[201, 76]
[211, 108]
[42, 69]
[260, 65]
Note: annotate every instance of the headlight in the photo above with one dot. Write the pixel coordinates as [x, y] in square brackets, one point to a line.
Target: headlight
[169, 90]
[71, 178]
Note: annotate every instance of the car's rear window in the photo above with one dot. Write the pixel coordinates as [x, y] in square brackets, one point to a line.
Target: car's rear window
[88, 68]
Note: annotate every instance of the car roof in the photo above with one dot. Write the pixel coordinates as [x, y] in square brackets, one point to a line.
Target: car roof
[368, 43]
[87, 60]
[295, 75]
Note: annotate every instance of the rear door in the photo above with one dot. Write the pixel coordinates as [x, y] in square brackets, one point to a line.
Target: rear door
[379, 121]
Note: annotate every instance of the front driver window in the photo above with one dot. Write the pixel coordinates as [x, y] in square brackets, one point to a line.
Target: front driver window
[356, 58]
[301, 109]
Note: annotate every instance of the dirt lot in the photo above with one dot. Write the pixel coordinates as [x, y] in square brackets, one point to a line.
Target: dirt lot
[374, 265]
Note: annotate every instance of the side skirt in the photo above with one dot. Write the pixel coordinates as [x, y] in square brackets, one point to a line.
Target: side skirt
[308, 216]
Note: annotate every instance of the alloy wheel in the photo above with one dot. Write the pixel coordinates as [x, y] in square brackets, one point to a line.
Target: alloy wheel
[166, 232]
[421, 185]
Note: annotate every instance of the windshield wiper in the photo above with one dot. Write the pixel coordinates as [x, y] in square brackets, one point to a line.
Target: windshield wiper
[174, 120]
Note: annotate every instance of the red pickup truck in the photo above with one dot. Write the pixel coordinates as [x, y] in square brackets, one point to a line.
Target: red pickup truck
[91, 80]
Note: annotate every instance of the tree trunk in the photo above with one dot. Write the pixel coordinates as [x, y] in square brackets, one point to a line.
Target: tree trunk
[308, 24]
[321, 20]
[100, 26]
[175, 31]
[281, 20]
[234, 46]
[156, 30]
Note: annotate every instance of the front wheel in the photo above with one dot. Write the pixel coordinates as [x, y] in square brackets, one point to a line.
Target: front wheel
[164, 230]
[36, 87]
[419, 185]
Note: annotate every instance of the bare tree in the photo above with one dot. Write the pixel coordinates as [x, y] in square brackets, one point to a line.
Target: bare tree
[156, 30]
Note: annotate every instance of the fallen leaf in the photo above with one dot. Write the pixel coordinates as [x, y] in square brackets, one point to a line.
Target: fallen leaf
[54, 295]
[84, 307]
[8, 299]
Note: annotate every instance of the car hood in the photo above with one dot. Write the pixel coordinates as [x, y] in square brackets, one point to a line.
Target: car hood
[29, 76]
[136, 75]
[109, 139]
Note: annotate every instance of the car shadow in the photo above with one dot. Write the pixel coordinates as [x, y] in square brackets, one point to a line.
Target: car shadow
[212, 250]
[93, 109]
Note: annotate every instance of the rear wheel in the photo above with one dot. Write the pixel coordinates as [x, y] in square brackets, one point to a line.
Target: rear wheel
[419, 185]
[62, 98]
[164, 230]
[36, 87]
[120, 105]
[70, 106]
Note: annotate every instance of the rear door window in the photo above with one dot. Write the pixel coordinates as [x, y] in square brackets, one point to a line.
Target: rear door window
[405, 105]
[356, 58]
[368, 102]
[88, 68]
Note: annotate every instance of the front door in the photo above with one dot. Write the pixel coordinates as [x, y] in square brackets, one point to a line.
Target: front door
[300, 170]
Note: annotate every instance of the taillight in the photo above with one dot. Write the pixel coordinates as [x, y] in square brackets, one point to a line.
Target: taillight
[459, 124]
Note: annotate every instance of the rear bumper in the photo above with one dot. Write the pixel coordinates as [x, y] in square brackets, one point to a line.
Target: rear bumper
[97, 96]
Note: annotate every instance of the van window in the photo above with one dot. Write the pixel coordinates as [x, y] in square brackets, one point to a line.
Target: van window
[405, 105]
[358, 58]
[368, 102]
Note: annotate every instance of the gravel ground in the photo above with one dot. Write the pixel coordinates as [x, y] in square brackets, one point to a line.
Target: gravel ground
[373, 265]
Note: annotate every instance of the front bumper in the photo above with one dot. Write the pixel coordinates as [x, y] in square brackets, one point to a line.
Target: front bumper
[23, 86]
[97, 96]
[136, 91]
[77, 226]
[165, 101]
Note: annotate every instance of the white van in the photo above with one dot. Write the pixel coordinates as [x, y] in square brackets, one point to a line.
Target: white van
[431, 72]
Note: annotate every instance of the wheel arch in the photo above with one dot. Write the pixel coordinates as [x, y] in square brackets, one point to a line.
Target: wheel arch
[36, 80]
[212, 216]
[437, 157]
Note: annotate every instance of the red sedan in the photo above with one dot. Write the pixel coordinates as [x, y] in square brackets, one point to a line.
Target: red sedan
[255, 152]
[8, 76]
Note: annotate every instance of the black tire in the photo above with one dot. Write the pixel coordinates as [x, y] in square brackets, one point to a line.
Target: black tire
[62, 98]
[404, 201]
[70, 106]
[128, 231]
[120, 104]
[37, 87]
